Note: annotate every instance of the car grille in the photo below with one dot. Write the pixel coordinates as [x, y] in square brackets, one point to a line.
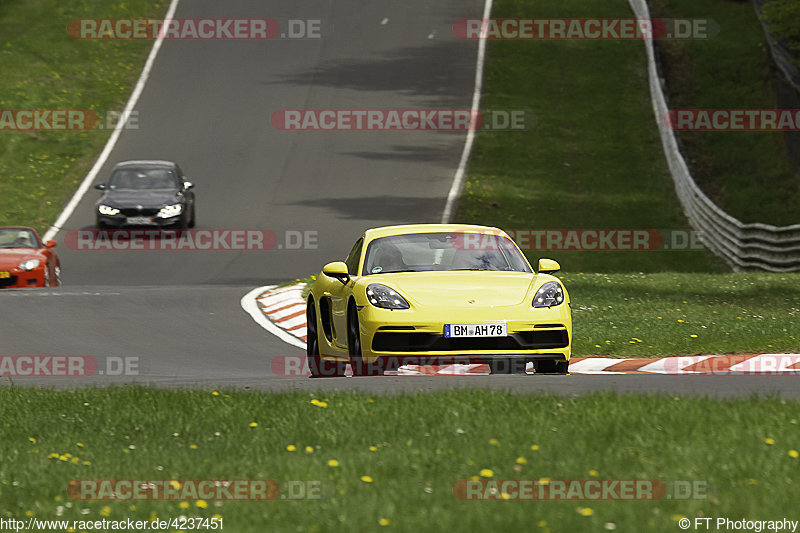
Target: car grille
[136, 212]
[8, 282]
[430, 342]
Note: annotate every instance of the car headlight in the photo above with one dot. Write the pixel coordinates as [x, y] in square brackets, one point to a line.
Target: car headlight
[107, 210]
[30, 264]
[549, 294]
[170, 211]
[386, 298]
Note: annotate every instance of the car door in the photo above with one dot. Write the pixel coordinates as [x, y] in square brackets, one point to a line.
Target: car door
[340, 296]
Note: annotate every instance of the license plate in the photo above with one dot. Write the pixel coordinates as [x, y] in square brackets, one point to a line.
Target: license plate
[489, 329]
[5, 275]
[140, 220]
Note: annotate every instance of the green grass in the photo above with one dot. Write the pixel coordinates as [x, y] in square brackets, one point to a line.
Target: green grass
[637, 315]
[423, 444]
[44, 68]
[650, 315]
[593, 158]
[749, 174]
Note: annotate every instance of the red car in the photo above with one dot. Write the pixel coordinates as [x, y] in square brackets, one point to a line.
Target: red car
[25, 261]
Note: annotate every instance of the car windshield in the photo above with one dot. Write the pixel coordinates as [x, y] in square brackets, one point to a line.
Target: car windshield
[443, 251]
[18, 238]
[141, 179]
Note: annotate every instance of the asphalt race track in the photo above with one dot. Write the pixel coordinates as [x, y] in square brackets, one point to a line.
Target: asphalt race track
[207, 105]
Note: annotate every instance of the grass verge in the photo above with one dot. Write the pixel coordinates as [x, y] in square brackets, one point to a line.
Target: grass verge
[749, 174]
[411, 462]
[593, 159]
[45, 68]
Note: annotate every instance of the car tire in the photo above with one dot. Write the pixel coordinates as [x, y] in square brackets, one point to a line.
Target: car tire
[57, 270]
[191, 220]
[46, 276]
[319, 368]
[552, 367]
[359, 367]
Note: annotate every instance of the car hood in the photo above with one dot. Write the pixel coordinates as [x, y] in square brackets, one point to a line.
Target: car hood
[473, 288]
[12, 257]
[154, 198]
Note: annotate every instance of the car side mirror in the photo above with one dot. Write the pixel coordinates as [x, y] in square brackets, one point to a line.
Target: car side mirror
[338, 270]
[50, 244]
[548, 266]
[188, 185]
[100, 186]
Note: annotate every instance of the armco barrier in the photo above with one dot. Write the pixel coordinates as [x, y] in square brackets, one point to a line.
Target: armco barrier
[743, 246]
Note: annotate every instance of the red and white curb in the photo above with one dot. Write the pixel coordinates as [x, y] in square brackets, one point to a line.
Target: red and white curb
[282, 311]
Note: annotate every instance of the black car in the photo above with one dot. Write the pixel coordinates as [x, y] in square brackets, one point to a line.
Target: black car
[146, 193]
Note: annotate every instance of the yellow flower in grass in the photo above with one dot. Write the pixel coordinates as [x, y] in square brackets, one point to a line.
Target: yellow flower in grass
[32, 439]
[215, 393]
[319, 403]
[193, 446]
[366, 479]
[309, 449]
[486, 472]
[521, 461]
[585, 511]
[535, 447]
[253, 424]
[105, 511]
[202, 504]
[769, 441]
[373, 448]
[333, 463]
[594, 473]
[291, 448]
[494, 442]
[183, 505]
[544, 481]
[384, 522]
[794, 454]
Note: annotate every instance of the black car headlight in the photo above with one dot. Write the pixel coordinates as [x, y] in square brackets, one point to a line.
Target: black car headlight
[107, 210]
[386, 298]
[549, 295]
[170, 211]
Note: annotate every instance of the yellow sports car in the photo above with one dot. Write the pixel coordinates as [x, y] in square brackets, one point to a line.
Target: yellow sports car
[437, 294]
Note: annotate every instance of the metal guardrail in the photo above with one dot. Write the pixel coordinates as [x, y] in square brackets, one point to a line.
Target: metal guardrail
[743, 246]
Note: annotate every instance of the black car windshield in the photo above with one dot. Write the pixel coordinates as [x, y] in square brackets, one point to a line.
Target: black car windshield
[18, 238]
[142, 179]
[445, 251]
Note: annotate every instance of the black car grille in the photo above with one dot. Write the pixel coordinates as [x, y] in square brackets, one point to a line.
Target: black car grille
[8, 282]
[430, 342]
[143, 212]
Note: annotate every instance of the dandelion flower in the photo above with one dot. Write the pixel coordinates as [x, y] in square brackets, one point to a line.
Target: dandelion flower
[486, 472]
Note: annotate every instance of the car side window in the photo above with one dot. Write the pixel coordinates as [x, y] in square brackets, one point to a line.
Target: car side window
[353, 257]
